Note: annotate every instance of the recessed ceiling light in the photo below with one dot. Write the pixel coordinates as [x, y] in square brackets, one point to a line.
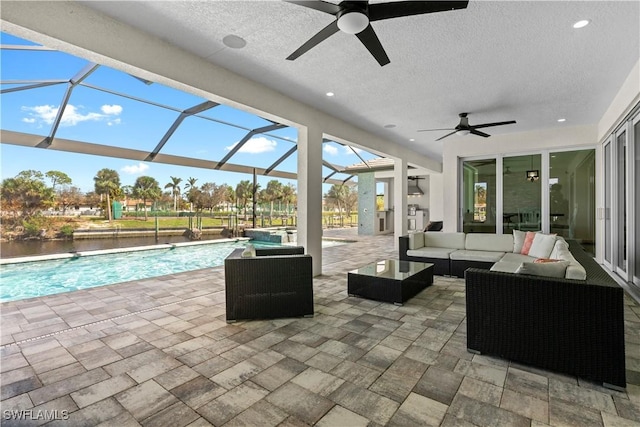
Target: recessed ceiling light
[562, 120]
[412, 139]
[582, 23]
[389, 126]
[234, 42]
[330, 93]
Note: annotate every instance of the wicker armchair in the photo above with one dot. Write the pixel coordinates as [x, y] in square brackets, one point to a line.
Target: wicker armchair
[277, 282]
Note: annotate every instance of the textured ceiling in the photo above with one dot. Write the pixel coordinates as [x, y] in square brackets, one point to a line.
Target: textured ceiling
[500, 61]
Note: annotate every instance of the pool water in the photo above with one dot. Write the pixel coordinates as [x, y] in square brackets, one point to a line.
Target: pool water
[33, 279]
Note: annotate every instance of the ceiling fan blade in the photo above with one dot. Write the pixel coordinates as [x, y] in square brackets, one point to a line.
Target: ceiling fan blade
[322, 35]
[398, 9]
[449, 134]
[370, 40]
[486, 125]
[477, 132]
[322, 6]
[429, 130]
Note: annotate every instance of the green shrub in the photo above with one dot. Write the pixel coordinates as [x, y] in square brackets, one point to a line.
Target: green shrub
[31, 228]
[66, 230]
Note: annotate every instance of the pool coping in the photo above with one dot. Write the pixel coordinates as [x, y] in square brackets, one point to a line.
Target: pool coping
[67, 255]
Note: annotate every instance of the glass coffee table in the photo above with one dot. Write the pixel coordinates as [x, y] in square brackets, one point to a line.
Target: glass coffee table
[390, 280]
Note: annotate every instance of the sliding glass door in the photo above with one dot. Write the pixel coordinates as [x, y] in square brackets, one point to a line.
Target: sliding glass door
[479, 196]
[636, 199]
[509, 193]
[572, 196]
[622, 200]
[522, 193]
[621, 205]
[608, 230]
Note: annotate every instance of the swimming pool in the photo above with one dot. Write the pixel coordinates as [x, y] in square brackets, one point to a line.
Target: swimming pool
[32, 279]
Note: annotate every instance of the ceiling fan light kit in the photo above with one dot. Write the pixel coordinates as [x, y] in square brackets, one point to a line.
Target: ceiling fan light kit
[353, 22]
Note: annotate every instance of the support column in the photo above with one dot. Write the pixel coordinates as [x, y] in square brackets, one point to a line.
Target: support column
[366, 204]
[310, 193]
[400, 189]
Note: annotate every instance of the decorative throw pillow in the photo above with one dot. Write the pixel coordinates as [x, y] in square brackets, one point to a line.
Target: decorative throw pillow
[546, 260]
[518, 241]
[550, 269]
[528, 241]
[249, 251]
[542, 245]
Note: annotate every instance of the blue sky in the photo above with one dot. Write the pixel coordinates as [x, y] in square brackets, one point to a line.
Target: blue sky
[105, 118]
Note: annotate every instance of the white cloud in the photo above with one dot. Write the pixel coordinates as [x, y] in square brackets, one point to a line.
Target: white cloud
[256, 145]
[112, 110]
[135, 169]
[71, 116]
[330, 149]
[350, 152]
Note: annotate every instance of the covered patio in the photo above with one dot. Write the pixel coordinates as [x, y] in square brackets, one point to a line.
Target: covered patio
[159, 352]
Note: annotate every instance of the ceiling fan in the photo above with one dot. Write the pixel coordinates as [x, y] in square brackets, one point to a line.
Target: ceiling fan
[464, 128]
[355, 17]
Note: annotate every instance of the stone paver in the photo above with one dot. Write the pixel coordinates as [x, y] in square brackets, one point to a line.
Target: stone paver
[158, 352]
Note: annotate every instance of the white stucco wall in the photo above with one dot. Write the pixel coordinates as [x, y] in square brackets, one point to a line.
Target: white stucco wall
[628, 96]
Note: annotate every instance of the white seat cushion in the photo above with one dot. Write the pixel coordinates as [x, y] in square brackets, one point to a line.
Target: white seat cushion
[517, 258]
[483, 256]
[426, 252]
[506, 267]
[489, 242]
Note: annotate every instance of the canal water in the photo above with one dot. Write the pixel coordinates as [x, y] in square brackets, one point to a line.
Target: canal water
[21, 248]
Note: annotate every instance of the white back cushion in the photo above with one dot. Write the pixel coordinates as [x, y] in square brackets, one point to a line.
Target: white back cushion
[518, 241]
[560, 244]
[416, 240]
[550, 269]
[489, 242]
[542, 245]
[444, 240]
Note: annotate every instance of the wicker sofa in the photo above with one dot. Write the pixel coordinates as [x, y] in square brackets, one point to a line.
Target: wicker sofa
[277, 282]
[453, 253]
[570, 326]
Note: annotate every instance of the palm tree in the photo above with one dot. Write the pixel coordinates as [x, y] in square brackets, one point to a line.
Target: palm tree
[244, 193]
[175, 190]
[272, 193]
[190, 186]
[229, 196]
[107, 181]
[337, 194]
[351, 201]
[288, 195]
[145, 188]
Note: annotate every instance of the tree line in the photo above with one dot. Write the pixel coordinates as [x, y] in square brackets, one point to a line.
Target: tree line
[28, 194]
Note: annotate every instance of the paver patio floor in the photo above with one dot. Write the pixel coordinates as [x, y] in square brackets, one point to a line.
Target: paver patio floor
[158, 352]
